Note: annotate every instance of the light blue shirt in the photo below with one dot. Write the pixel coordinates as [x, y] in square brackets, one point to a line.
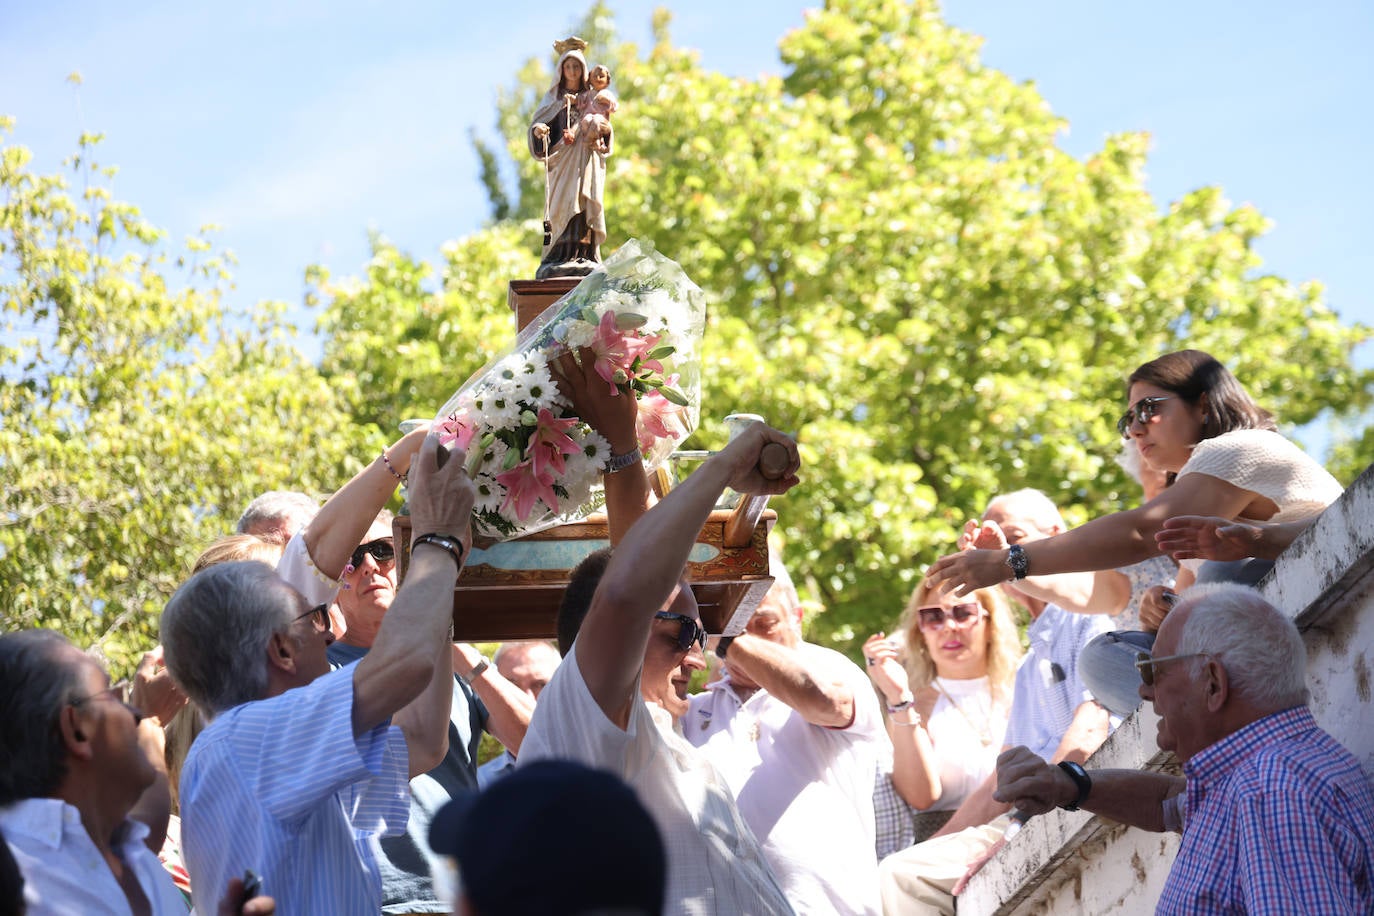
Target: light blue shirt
[282, 787]
[496, 768]
[1048, 687]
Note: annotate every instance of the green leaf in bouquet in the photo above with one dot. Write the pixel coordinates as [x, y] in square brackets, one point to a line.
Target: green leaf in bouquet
[589, 316]
[673, 395]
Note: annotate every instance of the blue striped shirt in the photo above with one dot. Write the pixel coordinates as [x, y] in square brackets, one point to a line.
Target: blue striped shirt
[1049, 688]
[282, 787]
[1280, 820]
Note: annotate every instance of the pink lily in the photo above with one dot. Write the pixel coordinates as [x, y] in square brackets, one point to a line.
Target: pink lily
[457, 430]
[617, 350]
[550, 443]
[654, 411]
[524, 487]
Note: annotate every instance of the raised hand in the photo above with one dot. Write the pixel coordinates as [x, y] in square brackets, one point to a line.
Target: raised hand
[884, 668]
[609, 410]
[745, 454]
[1188, 537]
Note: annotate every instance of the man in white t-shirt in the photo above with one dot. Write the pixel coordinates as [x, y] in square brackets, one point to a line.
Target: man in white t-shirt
[796, 731]
[631, 638]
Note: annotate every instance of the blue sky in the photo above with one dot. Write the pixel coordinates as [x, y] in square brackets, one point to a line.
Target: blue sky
[299, 126]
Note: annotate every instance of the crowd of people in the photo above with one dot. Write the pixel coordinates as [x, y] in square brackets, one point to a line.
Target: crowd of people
[305, 737]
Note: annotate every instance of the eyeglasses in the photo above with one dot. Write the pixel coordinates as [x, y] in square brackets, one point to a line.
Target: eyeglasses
[319, 617]
[382, 550]
[118, 692]
[691, 631]
[1143, 410]
[959, 617]
[1145, 663]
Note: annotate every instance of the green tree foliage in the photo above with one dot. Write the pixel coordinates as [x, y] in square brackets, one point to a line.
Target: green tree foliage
[137, 414]
[904, 270]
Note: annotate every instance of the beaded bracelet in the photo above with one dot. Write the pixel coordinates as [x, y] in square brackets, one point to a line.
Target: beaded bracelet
[898, 707]
[387, 461]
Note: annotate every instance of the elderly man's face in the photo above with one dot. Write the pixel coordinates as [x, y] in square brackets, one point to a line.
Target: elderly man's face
[1178, 693]
[371, 589]
[109, 726]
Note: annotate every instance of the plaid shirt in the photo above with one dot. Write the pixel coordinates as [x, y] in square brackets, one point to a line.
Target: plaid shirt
[1280, 820]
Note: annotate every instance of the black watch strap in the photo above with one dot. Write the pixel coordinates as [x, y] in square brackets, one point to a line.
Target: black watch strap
[1018, 561]
[452, 544]
[1081, 779]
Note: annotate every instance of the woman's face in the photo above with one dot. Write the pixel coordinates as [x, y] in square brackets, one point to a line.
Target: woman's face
[1174, 426]
[958, 648]
[572, 72]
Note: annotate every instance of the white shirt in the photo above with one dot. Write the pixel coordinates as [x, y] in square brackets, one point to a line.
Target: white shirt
[299, 571]
[281, 786]
[715, 867]
[964, 715]
[65, 874]
[805, 790]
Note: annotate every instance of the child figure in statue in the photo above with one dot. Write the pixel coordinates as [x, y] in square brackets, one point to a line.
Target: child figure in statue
[597, 104]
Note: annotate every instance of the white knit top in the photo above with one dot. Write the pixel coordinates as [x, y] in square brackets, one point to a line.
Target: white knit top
[1267, 464]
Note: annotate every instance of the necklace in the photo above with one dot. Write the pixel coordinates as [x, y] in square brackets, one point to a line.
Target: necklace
[983, 732]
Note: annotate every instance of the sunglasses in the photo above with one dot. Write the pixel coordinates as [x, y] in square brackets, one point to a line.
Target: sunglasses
[383, 551]
[1144, 410]
[690, 632]
[1145, 664]
[319, 617]
[959, 617]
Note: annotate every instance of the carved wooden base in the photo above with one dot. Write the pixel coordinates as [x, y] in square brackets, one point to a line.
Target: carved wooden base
[512, 589]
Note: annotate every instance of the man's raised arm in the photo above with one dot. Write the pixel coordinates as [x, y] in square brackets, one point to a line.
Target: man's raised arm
[647, 566]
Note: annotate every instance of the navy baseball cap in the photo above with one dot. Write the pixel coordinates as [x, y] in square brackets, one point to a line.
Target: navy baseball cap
[554, 838]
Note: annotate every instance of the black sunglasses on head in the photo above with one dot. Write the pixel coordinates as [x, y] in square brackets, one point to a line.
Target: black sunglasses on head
[1143, 410]
[381, 550]
[691, 630]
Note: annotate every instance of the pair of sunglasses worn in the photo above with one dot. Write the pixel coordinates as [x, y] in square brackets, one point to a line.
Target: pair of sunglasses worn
[691, 630]
[1145, 663]
[959, 617]
[1143, 410]
[381, 550]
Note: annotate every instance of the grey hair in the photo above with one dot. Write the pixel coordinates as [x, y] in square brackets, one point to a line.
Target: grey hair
[1257, 644]
[1036, 506]
[216, 629]
[278, 504]
[522, 646]
[34, 687]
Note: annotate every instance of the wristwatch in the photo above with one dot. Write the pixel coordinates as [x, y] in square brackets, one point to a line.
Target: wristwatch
[476, 672]
[621, 462]
[1018, 561]
[447, 542]
[1081, 779]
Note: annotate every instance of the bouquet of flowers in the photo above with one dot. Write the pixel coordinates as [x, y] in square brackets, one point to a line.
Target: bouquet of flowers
[535, 463]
